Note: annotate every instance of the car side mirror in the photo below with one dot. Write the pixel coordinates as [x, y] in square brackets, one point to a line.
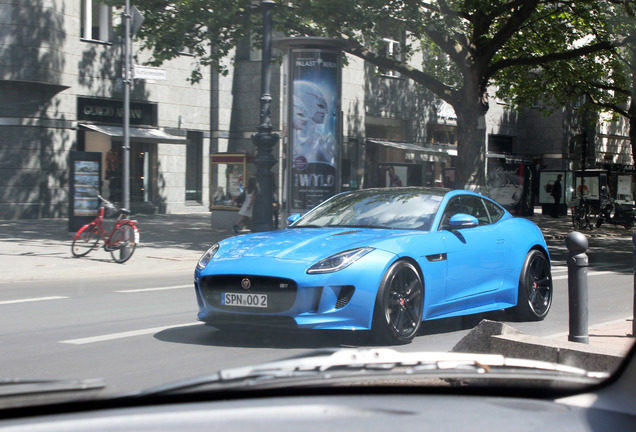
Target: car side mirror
[293, 218]
[463, 220]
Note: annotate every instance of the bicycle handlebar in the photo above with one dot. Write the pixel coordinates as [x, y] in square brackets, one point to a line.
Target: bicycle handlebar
[119, 209]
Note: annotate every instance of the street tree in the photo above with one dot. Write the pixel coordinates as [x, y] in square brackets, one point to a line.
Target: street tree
[463, 44]
[600, 82]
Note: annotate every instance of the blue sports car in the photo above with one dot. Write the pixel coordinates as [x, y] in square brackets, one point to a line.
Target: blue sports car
[382, 260]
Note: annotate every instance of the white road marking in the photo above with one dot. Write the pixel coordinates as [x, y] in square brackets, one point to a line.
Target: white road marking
[155, 289]
[35, 299]
[123, 335]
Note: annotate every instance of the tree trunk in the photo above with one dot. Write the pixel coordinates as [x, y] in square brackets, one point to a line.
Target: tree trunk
[471, 151]
[632, 106]
[471, 105]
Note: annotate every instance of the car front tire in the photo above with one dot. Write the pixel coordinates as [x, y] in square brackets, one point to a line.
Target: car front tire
[535, 287]
[399, 305]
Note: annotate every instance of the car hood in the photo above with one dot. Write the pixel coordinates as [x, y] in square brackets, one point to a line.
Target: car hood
[306, 244]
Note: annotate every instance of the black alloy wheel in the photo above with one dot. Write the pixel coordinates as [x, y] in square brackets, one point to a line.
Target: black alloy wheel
[535, 287]
[399, 304]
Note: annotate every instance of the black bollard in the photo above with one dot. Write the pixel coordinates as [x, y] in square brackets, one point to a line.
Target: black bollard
[576, 243]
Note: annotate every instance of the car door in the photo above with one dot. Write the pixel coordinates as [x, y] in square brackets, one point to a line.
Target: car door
[476, 255]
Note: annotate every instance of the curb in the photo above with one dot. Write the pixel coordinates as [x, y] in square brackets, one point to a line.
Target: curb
[493, 337]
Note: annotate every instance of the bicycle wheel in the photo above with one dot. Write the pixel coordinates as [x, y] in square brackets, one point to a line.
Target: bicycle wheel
[580, 217]
[588, 220]
[577, 217]
[85, 240]
[122, 243]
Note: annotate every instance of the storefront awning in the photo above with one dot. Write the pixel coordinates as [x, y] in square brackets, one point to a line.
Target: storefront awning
[137, 134]
[429, 149]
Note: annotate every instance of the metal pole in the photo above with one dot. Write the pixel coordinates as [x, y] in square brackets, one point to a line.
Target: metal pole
[265, 140]
[577, 260]
[125, 180]
[634, 309]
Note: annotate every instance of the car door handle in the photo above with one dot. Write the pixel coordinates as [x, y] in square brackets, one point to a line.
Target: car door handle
[501, 241]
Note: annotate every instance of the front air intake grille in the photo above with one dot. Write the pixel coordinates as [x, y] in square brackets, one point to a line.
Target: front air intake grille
[346, 292]
[249, 293]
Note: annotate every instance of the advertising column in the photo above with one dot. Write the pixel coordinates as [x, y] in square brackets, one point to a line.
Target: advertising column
[313, 126]
[85, 186]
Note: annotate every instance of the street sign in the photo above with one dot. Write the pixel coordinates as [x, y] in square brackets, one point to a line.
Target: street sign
[149, 73]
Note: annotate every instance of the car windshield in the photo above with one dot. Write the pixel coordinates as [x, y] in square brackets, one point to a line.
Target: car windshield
[240, 194]
[392, 209]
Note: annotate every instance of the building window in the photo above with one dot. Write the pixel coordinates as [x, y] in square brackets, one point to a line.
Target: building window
[249, 49]
[97, 21]
[194, 167]
[392, 50]
[500, 144]
[441, 134]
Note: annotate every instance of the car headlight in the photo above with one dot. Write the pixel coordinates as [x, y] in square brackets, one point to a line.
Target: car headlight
[206, 257]
[338, 261]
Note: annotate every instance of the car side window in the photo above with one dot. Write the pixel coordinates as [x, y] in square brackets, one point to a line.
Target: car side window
[495, 212]
[467, 204]
[454, 206]
[472, 205]
[475, 206]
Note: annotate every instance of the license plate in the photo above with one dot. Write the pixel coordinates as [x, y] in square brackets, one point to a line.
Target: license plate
[244, 299]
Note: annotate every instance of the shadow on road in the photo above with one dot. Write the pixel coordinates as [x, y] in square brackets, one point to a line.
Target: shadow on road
[293, 339]
[604, 254]
[256, 338]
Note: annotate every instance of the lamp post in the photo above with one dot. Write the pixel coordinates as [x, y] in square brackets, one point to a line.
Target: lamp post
[264, 139]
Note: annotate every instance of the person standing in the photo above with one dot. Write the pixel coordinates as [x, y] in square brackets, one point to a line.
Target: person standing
[394, 179]
[556, 194]
[248, 205]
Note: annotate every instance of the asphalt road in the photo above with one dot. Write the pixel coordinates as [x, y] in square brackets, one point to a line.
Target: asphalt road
[140, 331]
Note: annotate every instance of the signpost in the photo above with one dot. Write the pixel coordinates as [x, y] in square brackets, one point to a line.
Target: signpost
[132, 23]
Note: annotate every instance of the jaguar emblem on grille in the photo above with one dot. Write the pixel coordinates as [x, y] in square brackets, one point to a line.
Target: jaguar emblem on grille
[246, 283]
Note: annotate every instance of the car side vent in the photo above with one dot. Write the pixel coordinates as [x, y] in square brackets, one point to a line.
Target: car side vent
[346, 292]
[347, 232]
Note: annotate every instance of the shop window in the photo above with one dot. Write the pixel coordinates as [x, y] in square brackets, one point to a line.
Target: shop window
[228, 175]
[97, 21]
[194, 167]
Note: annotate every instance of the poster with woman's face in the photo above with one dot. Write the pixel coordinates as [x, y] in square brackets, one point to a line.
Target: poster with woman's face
[313, 126]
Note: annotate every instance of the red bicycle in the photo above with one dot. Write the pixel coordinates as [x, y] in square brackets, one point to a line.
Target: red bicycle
[123, 237]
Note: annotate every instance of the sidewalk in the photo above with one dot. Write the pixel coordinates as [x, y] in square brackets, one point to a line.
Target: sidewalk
[38, 250]
[41, 249]
[559, 228]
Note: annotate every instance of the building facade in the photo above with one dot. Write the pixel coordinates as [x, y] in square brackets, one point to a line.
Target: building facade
[61, 92]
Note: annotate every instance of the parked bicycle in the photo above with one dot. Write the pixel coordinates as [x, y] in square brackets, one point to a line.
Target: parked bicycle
[614, 212]
[120, 242]
[581, 214]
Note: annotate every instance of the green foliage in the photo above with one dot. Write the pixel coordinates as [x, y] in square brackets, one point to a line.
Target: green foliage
[529, 48]
[603, 77]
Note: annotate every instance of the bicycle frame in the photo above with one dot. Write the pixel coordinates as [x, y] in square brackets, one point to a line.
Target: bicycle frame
[581, 214]
[88, 236]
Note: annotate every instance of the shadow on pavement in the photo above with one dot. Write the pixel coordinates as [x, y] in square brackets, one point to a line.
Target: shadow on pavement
[288, 339]
[253, 338]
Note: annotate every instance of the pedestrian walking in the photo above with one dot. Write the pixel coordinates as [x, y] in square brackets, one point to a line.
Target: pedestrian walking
[556, 194]
[248, 205]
